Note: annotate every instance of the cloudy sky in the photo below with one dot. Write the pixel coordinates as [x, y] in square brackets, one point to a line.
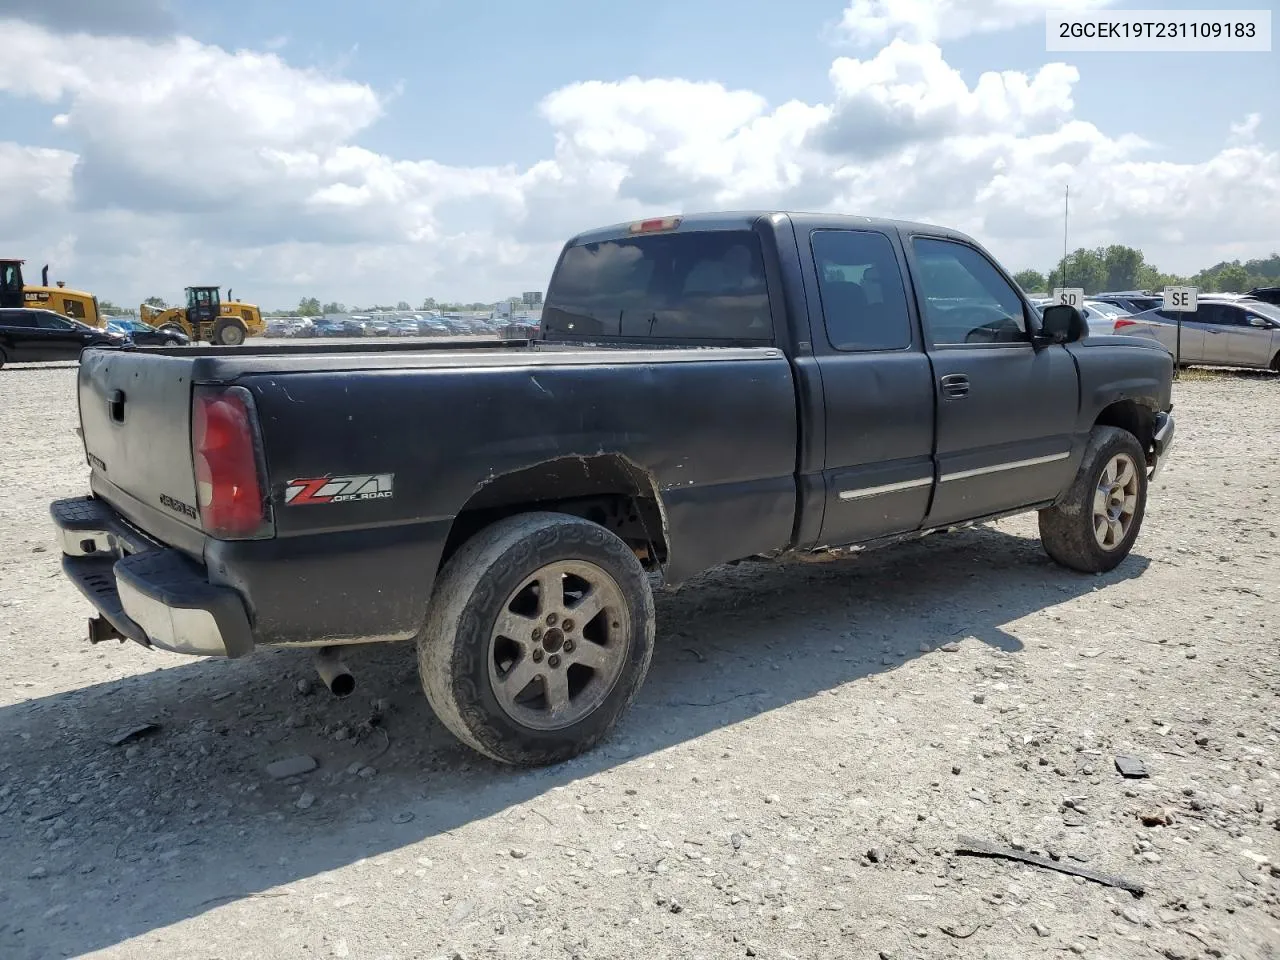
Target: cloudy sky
[396, 149]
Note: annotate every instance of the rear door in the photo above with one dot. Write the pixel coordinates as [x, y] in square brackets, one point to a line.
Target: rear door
[1216, 320]
[878, 389]
[19, 335]
[1006, 411]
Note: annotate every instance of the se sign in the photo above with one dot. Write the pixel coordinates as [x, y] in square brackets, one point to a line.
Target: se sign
[1181, 299]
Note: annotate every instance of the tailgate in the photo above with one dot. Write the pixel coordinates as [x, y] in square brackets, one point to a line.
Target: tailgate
[135, 411]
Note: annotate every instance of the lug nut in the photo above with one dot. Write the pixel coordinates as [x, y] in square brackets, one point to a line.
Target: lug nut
[568, 646]
[551, 619]
[537, 655]
[537, 634]
[554, 660]
[567, 625]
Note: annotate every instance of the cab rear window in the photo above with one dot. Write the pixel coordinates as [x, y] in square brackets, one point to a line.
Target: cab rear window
[705, 286]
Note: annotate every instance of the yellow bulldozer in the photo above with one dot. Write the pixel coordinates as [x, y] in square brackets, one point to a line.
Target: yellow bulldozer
[75, 304]
[207, 317]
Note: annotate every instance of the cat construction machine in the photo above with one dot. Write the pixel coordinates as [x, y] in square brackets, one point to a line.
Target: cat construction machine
[75, 304]
[208, 317]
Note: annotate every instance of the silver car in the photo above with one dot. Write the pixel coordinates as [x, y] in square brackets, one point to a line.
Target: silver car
[1221, 332]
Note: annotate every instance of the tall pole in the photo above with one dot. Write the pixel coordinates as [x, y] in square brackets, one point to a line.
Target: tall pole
[1066, 211]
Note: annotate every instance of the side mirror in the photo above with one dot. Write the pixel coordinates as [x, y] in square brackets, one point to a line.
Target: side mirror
[1061, 323]
[1260, 322]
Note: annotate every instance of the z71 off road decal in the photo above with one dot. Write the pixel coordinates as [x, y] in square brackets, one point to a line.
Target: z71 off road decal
[364, 486]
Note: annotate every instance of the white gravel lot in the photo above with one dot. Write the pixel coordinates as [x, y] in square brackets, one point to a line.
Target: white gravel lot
[791, 783]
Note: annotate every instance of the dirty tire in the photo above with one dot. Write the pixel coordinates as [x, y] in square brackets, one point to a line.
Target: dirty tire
[470, 593]
[1067, 529]
[1275, 362]
[228, 333]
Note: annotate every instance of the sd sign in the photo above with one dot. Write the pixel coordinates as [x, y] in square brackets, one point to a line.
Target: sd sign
[1070, 296]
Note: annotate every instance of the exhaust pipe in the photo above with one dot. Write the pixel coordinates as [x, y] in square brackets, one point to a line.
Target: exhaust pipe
[44, 276]
[334, 672]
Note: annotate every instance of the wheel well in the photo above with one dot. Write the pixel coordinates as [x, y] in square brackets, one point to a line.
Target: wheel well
[607, 489]
[1132, 416]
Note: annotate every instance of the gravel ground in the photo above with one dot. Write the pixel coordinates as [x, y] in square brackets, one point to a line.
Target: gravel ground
[812, 741]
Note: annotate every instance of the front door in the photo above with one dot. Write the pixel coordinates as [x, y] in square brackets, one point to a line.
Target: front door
[1006, 410]
[878, 387]
[1251, 339]
[60, 339]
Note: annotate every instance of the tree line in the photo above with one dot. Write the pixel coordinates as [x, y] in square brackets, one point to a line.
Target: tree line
[1119, 267]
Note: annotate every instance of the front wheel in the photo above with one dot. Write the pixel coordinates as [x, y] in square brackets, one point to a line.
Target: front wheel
[3, 358]
[228, 333]
[1093, 527]
[538, 637]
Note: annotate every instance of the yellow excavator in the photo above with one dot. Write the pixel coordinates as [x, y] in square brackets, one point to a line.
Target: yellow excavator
[75, 304]
[207, 317]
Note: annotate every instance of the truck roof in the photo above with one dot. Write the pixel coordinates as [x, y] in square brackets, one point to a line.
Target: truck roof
[745, 219]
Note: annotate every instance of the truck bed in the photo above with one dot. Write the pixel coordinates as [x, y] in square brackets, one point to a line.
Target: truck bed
[447, 428]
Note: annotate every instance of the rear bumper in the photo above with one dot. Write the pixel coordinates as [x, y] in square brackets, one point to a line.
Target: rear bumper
[146, 591]
[1162, 442]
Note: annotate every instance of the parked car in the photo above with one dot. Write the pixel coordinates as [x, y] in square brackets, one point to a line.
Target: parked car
[404, 328]
[1131, 301]
[380, 328]
[355, 327]
[145, 335]
[331, 328]
[1221, 332]
[1269, 295]
[432, 327]
[28, 336]
[290, 508]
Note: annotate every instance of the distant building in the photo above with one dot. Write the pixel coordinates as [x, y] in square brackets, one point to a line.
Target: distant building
[532, 298]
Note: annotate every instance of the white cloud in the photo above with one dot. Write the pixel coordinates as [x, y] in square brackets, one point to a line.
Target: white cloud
[1245, 131]
[238, 167]
[874, 22]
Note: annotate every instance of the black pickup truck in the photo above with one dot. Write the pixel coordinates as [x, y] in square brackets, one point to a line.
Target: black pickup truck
[702, 389]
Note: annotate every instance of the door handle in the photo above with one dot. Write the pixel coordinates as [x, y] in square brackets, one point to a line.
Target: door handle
[955, 386]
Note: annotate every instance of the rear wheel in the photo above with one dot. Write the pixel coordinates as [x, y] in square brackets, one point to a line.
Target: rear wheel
[539, 634]
[3, 357]
[1095, 525]
[228, 333]
[1275, 362]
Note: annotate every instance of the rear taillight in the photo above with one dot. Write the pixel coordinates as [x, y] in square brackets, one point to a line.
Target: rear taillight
[229, 483]
[1125, 322]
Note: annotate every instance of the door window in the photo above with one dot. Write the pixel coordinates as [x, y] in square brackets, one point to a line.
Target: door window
[965, 298]
[864, 303]
[51, 321]
[17, 318]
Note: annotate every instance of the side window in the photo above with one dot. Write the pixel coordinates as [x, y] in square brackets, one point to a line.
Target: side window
[864, 303]
[16, 318]
[1234, 317]
[73, 308]
[51, 321]
[1210, 313]
[965, 298]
